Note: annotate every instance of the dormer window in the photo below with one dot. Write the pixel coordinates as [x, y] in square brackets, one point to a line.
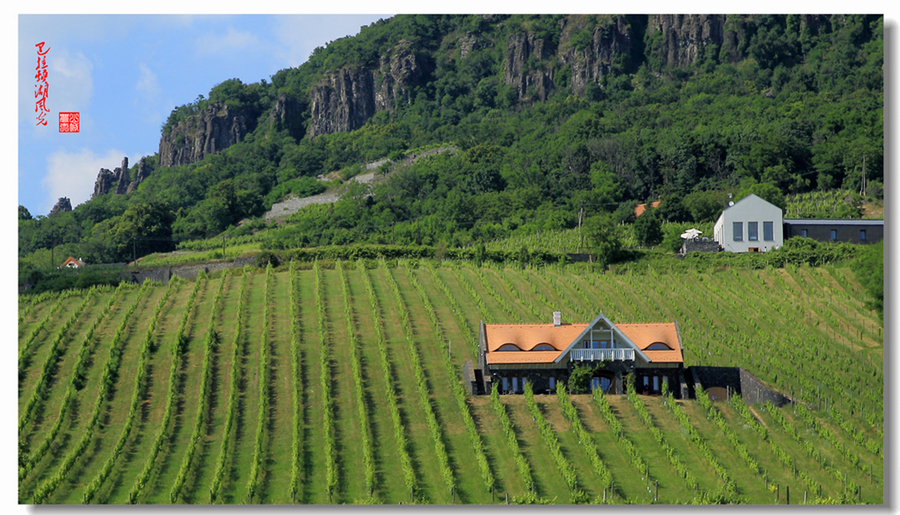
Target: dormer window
[658, 346]
[509, 346]
[543, 346]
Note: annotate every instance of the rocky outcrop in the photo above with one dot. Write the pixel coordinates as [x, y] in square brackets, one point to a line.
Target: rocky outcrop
[63, 205]
[685, 36]
[210, 131]
[470, 43]
[104, 182]
[345, 99]
[610, 42]
[143, 171]
[287, 114]
[524, 66]
[122, 178]
[398, 73]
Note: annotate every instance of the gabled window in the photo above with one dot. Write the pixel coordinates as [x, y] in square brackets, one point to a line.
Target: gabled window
[509, 346]
[738, 231]
[543, 346]
[753, 231]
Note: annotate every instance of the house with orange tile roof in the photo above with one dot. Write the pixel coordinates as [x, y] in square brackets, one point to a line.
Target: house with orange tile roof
[512, 355]
[640, 208]
[72, 263]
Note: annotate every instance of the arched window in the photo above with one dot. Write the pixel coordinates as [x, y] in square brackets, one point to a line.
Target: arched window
[543, 346]
[509, 346]
[658, 346]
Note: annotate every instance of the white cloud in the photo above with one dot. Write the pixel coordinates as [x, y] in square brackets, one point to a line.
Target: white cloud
[299, 35]
[148, 83]
[70, 80]
[223, 44]
[73, 174]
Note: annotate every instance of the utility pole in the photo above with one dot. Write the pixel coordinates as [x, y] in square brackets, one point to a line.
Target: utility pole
[580, 235]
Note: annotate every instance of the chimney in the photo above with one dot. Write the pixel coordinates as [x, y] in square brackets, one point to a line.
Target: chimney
[557, 318]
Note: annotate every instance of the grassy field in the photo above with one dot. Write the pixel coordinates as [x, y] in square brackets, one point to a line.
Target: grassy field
[171, 393]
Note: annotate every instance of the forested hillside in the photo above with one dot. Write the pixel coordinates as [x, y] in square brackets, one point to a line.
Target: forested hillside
[549, 114]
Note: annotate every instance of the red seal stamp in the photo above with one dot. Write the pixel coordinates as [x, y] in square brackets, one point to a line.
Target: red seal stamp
[69, 122]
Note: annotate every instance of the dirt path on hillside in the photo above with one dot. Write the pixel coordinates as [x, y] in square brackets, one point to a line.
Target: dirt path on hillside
[291, 205]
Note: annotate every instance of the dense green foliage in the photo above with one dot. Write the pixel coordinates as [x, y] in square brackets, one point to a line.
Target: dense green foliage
[795, 107]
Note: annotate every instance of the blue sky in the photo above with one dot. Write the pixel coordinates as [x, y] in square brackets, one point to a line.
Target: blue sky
[125, 73]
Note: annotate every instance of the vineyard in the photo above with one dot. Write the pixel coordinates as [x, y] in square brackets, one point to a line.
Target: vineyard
[340, 382]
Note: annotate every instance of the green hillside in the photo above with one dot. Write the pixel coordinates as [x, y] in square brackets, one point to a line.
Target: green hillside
[552, 117]
[340, 382]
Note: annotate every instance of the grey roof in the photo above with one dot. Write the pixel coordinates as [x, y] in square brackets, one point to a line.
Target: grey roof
[836, 221]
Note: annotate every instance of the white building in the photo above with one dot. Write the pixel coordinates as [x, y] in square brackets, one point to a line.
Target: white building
[750, 225]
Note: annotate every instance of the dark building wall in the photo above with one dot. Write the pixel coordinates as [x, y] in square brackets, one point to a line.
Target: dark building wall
[843, 233]
[753, 391]
[616, 371]
[700, 246]
[737, 380]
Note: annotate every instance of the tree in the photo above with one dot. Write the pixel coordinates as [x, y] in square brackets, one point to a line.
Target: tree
[705, 206]
[765, 191]
[647, 229]
[870, 272]
[142, 229]
[24, 214]
[600, 232]
[580, 379]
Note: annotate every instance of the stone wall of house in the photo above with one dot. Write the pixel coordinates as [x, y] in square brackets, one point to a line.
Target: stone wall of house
[185, 272]
[753, 391]
[469, 381]
[737, 380]
[700, 246]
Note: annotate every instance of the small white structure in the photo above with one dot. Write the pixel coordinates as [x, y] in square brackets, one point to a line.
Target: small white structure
[750, 225]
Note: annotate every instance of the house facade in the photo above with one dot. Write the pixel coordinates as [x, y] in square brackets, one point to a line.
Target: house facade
[513, 355]
[750, 225]
[859, 231]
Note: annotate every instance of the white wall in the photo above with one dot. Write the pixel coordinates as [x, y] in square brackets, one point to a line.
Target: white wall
[749, 209]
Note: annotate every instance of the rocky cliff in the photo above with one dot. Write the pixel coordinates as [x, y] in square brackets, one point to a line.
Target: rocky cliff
[104, 182]
[122, 177]
[685, 36]
[212, 130]
[62, 205]
[345, 99]
[143, 171]
[288, 113]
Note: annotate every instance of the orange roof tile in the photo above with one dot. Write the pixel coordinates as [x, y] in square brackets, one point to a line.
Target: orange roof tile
[645, 335]
[515, 357]
[529, 336]
[639, 210]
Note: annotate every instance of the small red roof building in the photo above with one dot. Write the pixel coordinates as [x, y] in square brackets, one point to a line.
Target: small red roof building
[72, 263]
[639, 210]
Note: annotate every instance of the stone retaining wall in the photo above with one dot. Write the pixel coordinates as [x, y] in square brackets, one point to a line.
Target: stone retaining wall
[185, 272]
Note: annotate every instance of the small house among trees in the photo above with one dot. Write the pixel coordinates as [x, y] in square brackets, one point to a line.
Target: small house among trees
[602, 352]
[72, 263]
